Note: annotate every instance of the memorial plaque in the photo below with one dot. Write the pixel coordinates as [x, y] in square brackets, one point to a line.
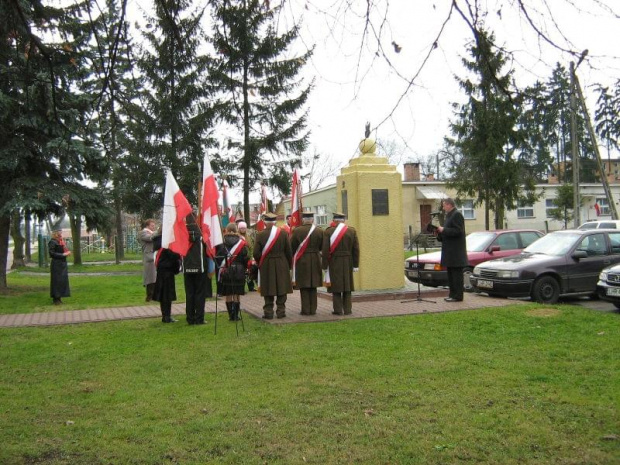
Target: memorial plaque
[380, 202]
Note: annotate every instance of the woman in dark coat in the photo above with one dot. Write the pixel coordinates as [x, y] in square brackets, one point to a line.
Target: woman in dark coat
[168, 265]
[232, 262]
[59, 272]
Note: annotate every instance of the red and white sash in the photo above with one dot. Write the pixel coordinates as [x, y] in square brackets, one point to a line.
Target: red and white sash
[232, 254]
[334, 240]
[300, 251]
[273, 237]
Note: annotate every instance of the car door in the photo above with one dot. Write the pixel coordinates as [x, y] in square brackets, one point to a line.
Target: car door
[583, 273]
[508, 245]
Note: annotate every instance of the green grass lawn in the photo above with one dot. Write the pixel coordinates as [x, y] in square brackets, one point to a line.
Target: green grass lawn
[520, 384]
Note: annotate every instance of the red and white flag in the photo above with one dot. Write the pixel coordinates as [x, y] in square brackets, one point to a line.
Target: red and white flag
[296, 200]
[174, 234]
[209, 218]
[264, 204]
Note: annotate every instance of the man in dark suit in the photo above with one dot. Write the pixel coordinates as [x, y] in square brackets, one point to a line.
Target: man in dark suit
[272, 252]
[453, 249]
[306, 243]
[341, 257]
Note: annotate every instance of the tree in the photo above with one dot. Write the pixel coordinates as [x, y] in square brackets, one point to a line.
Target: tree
[45, 153]
[606, 119]
[564, 202]
[257, 78]
[486, 135]
[176, 117]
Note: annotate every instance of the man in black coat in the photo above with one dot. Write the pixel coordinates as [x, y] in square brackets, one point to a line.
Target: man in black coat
[196, 275]
[453, 249]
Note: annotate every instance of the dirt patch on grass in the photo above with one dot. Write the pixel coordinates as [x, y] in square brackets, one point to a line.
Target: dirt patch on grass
[543, 312]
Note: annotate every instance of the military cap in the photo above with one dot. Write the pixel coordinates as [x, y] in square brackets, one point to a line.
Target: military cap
[270, 217]
[339, 216]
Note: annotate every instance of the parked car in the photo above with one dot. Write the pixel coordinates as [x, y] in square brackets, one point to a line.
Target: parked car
[608, 286]
[605, 224]
[559, 264]
[481, 246]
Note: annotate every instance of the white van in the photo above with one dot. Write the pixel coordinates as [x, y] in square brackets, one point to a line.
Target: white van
[605, 224]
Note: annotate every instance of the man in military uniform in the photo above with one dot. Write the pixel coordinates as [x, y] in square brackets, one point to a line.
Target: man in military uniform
[272, 252]
[341, 255]
[306, 244]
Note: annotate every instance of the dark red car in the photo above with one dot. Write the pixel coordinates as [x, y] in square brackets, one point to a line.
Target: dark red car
[481, 246]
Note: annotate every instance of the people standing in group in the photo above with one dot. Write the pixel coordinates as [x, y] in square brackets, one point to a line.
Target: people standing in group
[453, 249]
[168, 265]
[249, 239]
[232, 258]
[306, 245]
[340, 257]
[196, 275]
[272, 252]
[149, 272]
[59, 271]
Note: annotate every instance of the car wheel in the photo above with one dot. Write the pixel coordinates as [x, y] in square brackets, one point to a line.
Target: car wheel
[467, 286]
[546, 290]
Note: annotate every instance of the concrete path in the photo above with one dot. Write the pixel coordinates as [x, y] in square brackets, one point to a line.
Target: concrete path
[252, 303]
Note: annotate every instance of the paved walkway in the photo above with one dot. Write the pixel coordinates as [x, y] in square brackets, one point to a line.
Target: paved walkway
[251, 303]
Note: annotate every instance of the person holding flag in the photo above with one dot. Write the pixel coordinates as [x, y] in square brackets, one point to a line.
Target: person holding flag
[232, 260]
[306, 243]
[172, 244]
[341, 257]
[272, 252]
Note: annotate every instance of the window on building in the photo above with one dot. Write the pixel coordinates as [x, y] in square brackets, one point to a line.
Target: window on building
[550, 205]
[603, 205]
[467, 209]
[525, 211]
[320, 215]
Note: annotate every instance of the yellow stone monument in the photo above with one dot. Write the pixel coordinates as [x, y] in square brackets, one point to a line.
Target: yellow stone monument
[369, 193]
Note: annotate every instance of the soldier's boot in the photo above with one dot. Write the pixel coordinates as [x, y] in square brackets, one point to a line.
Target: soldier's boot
[230, 310]
[236, 310]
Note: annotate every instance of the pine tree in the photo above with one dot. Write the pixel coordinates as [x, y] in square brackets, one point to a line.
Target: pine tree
[262, 95]
[486, 134]
[606, 119]
[172, 131]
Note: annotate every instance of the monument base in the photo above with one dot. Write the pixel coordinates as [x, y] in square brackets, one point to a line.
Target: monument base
[403, 293]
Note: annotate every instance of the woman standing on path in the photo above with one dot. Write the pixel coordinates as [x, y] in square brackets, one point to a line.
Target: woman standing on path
[59, 272]
[232, 260]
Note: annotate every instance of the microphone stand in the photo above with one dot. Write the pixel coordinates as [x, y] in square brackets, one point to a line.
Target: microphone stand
[417, 251]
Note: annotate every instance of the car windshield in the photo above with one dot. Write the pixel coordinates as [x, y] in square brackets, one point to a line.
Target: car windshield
[554, 244]
[478, 241]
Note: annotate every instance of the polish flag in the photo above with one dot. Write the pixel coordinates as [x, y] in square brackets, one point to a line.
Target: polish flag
[210, 220]
[296, 200]
[264, 203]
[174, 234]
[228, 215]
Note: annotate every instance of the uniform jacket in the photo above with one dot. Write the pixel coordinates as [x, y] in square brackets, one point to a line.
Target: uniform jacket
[241, 259]
[453, 247]
[275, 272]
[196, 260]
[308, 271]
[149, 273]
[342, 261]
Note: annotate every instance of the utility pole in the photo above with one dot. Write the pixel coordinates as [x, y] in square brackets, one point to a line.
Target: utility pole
[574, 145]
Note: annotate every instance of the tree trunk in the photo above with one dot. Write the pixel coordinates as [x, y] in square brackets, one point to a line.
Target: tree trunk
[18, 239]
[28, 231]
[5, 226]
[76, 232]
[119, 243]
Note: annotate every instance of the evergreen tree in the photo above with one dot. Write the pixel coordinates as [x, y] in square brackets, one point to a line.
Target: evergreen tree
[172, 130]
[45, 154]
[606, 119]
[262, 94]
[486, 135]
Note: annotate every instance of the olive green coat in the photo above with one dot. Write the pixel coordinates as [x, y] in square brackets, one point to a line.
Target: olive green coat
[342, 261]
[308, 271]
[275, 272]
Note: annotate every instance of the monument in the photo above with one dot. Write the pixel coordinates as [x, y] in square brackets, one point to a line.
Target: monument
[369, 193]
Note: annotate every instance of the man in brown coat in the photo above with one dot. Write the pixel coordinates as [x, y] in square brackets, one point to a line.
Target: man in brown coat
[306, 244]
[341, 256]
[272, 252]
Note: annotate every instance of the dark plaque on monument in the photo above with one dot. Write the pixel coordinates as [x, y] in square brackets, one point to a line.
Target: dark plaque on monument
[380, 202]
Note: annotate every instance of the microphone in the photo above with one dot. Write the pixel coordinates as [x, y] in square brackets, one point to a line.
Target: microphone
[435, 213]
